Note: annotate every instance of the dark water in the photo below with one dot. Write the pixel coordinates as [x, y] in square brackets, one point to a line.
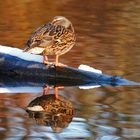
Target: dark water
[108, 34]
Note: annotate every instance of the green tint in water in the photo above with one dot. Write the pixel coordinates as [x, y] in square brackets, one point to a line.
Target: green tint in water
[107, 39]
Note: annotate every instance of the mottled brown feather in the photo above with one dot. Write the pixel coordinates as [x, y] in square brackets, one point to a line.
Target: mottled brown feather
[55, 39]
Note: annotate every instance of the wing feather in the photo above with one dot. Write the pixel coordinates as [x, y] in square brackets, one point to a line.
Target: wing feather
[40, 37]
[50, 37]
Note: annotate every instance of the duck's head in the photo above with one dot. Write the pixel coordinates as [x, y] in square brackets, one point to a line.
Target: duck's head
[60, 20]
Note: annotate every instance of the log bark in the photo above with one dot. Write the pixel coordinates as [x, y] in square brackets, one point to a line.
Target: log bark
[17, 71]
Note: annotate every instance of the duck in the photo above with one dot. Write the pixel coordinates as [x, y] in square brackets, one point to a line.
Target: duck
[53, 38]
[49, 111]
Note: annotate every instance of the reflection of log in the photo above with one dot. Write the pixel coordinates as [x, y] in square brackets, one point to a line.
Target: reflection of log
[49, 111]
[15, 70]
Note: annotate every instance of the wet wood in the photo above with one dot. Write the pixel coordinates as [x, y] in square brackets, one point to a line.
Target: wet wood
[14, 70]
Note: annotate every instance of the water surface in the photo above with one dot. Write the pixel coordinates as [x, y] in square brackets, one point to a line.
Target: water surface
[107, 39]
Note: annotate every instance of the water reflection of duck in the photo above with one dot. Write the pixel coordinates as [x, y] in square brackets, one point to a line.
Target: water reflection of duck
[54, 38]
[49, 111]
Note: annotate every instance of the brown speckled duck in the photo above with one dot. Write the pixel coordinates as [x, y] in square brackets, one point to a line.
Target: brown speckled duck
[49, 111]
[54, 38]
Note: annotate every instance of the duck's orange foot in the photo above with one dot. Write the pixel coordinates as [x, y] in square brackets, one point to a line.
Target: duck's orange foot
[45, 89]
[60, 65]
[56, 88]
[46, 63]
[56, 93]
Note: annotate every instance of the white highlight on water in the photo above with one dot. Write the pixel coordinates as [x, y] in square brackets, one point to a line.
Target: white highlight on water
[89, 87]
[24, 89]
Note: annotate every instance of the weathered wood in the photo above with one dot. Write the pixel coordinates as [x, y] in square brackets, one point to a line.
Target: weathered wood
[14, 71]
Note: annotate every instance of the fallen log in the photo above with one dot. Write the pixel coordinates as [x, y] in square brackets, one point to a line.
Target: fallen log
[20, 68]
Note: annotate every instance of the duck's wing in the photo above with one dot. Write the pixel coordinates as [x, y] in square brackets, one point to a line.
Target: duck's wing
[40, 38]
